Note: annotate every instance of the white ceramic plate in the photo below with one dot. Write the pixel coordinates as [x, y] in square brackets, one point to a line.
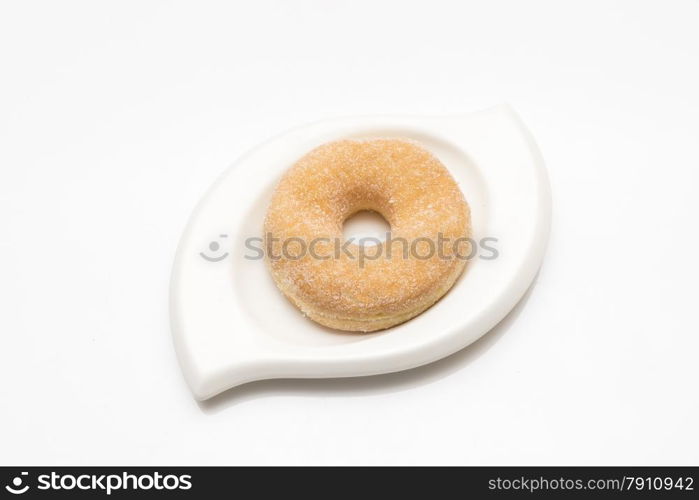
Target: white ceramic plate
[230, 323]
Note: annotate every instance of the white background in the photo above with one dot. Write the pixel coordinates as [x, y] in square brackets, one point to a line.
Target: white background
[116, 117]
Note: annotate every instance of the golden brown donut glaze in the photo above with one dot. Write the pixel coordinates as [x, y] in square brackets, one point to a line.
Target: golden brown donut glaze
[351, 288]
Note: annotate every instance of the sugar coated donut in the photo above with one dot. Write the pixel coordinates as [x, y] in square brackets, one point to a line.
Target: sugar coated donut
[354, 287]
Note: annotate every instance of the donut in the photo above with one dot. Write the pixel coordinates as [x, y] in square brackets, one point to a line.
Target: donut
[346, 286]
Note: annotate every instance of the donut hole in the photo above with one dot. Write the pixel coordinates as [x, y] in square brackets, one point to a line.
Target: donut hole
[366, 227]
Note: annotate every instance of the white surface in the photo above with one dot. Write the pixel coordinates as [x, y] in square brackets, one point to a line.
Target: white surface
[114, 119]
[230, 323]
